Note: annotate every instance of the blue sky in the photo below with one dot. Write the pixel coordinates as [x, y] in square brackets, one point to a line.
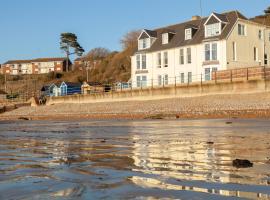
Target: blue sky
[31, 28]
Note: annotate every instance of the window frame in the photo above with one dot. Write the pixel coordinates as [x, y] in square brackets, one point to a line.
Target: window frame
[212, 30]
[182, 77]
[181, 56]
[159, 60]
[189, 77]
[189, 55]
[242, 29]
[188, 34]
[234, 51]
[209, 53]
[256, 54]
[143, 61]
[260, 34]
[138, 62]
[165, 59]
[165, 38]
[166, 79]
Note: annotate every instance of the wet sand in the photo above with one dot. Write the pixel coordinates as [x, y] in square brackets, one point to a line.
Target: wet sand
[138, 159]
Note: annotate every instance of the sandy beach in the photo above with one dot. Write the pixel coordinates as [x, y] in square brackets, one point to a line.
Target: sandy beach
[217, 106]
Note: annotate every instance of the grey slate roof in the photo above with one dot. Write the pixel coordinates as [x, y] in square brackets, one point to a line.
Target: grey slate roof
[178, 39]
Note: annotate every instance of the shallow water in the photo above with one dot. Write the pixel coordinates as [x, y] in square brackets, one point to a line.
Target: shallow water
[134, 159]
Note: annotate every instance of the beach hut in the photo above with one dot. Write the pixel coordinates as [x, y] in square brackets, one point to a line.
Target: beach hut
[56, 90]
[69, 88]
[92, 88]
[47, 90]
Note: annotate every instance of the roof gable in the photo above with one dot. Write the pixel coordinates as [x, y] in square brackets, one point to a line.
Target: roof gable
[147, 34]
[216, 18]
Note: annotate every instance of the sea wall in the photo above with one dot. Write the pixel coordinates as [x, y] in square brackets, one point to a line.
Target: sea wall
[170, 91]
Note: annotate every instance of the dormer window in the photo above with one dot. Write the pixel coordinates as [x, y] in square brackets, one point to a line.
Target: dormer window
[146, 39]
[214, 24]
[188, 34]
[165, 38]
[212, 30]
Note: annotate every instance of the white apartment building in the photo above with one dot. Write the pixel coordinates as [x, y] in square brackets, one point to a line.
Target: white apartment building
[191, 51]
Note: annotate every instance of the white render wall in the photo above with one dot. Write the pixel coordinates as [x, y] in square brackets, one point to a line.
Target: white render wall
[174, 68]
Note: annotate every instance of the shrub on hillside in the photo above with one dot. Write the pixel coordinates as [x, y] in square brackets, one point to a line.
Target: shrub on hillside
[54, 75]
[17, 78]
[81, 79]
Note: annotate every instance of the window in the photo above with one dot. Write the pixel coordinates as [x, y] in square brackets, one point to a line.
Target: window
[138, 60]
[188, 34]
[138, 81]
[214, 51]
[241, 29]
[207, 52]
[188, 55]
[182, 58]
[159, 60]
[189, 77]
[255, 54]
[141, 81]
[165, 57]
[182, 77]
[144, 81]
[165, 38]
[212, 29]
[143, 61]
[265, 59]
[210, 51]
[234, 52]
[144, 43]
[159, 80]
[260, 35]
[207, 75]
[166, 79]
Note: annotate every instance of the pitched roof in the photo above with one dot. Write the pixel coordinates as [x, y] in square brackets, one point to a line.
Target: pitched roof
[35, 60]
[73, 84]
[178, 39]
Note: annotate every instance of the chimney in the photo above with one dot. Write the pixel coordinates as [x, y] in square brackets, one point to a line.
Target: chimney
[196, 17]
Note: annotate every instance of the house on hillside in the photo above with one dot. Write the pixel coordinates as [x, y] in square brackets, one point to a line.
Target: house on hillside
[68, 88]
[191, 51]
[36, 66]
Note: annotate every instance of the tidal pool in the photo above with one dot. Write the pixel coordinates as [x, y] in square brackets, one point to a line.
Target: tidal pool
[125, 159]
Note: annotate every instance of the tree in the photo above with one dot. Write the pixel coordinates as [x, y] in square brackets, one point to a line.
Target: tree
[129, 40]
[98, 53]
[68, 42]
[267, 11]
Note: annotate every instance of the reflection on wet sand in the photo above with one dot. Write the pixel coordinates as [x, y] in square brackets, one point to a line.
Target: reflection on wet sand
[134, 159]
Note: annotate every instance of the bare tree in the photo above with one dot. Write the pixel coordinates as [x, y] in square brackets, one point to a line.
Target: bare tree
[129, 40]
[267, 11]
[98, 53]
